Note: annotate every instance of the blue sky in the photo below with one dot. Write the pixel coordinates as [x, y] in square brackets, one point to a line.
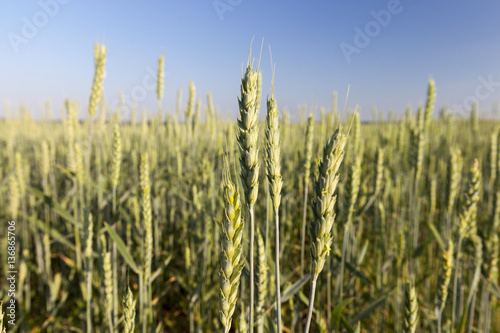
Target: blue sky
[456, 43]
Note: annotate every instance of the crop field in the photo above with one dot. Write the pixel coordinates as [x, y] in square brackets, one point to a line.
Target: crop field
[187, 221]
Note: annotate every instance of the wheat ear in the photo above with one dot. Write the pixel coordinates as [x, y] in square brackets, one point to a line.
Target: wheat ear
[444, 282]
[410, 320]
[429, 106]
[323, 210]
[88, 236]
[128, 311]
[96, 92]
[275, 185]
[261, 282]
[232, 250]
[247, 142]
[148, 230]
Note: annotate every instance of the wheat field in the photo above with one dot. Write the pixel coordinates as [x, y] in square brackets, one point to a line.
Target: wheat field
[187, 221]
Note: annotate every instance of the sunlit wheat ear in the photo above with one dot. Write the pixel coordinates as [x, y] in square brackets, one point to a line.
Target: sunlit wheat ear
[191, 102]
[108, 284]
[231, 258]
[261, 279]
[324, 201]
[379, 171]
[247, 142]
[410, 320]
[117, 156]
[146, 214]
[445, 277]
[323, 206]
[96, 92]
[273, 152]
[128, 311]
[429, 106]
[468, 225]
[453, 178]
[247, 136]
[160, 78]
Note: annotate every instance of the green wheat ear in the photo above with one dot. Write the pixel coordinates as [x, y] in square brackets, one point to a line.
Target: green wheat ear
[191, 102]
[445, 277]
[323, 206]
[468, 224]
[146, 214]
[324, 201]
[429, 106]
[273, 152]
[261, 279]
[117, 156]
[96, 92]
[128, 311]
[247, 136]
[160, 79]
[410, 320]
[231, 258]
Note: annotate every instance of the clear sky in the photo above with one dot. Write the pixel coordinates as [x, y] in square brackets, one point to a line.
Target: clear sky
[385, 50]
